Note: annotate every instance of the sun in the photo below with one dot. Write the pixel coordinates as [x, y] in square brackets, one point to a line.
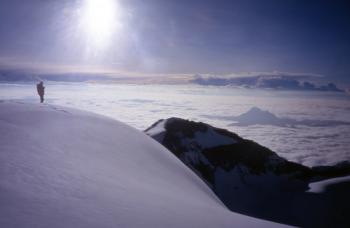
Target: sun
[100, 19]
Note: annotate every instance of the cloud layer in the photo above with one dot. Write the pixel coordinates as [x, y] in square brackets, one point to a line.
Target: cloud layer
[142, 105]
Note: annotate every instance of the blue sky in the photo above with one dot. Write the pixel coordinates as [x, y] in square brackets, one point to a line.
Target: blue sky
[179, 37]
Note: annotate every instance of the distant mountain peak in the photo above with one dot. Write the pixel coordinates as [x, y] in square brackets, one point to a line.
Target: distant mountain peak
[257, 114]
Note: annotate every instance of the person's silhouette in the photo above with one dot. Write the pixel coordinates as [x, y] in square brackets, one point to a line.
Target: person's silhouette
[41, 90]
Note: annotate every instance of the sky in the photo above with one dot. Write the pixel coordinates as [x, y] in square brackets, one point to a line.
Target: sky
[177, 36]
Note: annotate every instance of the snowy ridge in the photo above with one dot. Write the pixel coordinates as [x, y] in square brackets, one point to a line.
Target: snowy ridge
[248, 177]
[61, 167]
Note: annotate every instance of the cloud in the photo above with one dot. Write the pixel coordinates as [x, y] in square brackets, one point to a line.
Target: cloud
[264, 80]
[142, 105]
[26, 72]
[275, 74]
[347, 91]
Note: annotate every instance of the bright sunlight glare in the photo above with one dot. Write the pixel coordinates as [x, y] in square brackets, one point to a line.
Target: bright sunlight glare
[99, 19]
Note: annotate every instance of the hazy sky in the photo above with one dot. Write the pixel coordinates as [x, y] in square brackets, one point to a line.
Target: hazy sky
[178, 36]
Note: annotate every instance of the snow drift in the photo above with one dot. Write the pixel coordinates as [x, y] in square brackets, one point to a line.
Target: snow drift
[61, 167]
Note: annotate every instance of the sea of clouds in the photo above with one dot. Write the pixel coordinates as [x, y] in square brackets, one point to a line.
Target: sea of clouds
[142, 105]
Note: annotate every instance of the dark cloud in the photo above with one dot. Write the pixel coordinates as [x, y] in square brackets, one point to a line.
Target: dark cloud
[285, 81]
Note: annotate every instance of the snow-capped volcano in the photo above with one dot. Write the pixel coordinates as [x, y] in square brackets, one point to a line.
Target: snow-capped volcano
[61, 167]
[246, 176]
[257, 116]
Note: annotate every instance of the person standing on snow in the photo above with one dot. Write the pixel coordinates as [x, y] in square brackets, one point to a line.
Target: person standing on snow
[41, 90]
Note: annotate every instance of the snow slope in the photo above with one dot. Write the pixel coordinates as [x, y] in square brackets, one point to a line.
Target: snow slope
[61, 167]
[321, 186]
